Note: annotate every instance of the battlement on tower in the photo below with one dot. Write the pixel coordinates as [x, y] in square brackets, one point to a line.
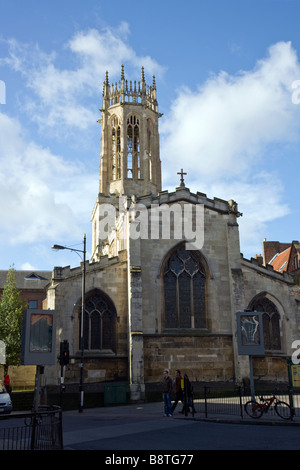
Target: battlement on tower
[130, 92]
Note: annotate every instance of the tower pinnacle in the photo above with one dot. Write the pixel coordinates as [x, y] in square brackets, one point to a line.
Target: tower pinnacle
[130, 162]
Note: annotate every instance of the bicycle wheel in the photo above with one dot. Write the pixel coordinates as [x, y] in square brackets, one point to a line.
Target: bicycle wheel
[283, 409]
[253, 409]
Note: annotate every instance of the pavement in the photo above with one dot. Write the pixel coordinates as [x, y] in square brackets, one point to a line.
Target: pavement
[114, 421]
[270, 418]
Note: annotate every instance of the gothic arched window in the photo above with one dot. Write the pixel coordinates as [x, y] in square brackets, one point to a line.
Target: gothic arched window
[99, 323]
[271, 322]
[115, 148]
[149, 147]
[133, 148]
[184, 291]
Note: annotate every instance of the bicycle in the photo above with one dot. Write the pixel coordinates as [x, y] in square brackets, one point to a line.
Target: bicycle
[256, 410]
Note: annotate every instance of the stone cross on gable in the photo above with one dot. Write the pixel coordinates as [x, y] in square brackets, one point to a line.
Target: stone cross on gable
[181, 173]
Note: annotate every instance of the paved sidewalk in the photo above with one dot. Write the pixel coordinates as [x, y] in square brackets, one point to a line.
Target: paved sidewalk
[266, 419]
[139, 413]
[114, 422]
[156, 409]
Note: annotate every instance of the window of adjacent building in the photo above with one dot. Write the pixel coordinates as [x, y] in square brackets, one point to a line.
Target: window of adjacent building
[99, 323]
[271, 323]
[184, 291]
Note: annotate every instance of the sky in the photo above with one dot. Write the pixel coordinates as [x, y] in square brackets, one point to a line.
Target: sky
[228, 86]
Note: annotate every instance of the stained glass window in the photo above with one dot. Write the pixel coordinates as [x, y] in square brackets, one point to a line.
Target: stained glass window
[99, 328]
[184, 290]
[271, 322]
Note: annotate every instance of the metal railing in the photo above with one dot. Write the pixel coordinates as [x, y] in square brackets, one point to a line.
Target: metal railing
[212, 402]
[41, 430]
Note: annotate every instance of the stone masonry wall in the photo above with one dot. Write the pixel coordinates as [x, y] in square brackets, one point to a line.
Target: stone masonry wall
[203, 358]
[64, 296]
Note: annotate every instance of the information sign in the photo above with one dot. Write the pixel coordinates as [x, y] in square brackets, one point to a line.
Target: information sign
[38, 337]
[250, 333]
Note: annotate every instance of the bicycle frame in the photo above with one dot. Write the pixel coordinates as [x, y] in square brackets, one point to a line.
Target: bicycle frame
[267, 402]
[255, 409]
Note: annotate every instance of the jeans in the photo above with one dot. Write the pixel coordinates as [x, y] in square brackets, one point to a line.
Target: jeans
[167, 404]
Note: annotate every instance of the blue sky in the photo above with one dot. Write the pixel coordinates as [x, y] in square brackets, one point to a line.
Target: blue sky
[225, 72]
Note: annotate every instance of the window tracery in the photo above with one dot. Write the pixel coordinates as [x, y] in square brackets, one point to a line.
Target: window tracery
[99, 323]
[115, 148]
[184, 291]
[133, 147]
[271, 322]
[149, 147]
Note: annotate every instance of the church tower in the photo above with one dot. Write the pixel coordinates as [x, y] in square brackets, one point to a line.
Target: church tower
[130, 162]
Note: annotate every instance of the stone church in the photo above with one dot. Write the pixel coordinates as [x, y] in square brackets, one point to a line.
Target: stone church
[166, 276]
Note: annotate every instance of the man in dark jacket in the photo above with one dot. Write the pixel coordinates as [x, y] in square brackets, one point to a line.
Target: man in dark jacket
[167, 393]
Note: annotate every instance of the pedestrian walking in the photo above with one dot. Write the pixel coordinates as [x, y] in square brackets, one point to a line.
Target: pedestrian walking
[7, 384]
[178, 388]
[167, 393]
[188, 395]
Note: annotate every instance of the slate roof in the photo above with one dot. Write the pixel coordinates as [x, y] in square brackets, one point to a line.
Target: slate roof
[28, 279]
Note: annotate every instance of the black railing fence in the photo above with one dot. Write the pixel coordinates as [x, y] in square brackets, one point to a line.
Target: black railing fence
[41, 430]
[213, 402]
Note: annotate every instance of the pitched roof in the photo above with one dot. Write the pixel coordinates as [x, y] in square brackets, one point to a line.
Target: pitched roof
[28, 279]
[280, 260]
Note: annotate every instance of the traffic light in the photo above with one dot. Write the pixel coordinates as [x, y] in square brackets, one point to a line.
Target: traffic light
[64, 356]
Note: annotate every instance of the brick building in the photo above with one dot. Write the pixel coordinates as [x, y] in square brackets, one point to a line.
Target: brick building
[284, 257]
[31, 285]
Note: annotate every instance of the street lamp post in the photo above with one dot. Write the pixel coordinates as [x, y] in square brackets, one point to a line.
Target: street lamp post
[61, 247]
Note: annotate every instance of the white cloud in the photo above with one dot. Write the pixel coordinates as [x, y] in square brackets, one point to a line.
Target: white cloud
[64, 98]
[224, 135]
[260, 199]
[106, 50]
[45, 197]
[42, 196]
[28, 267]
[225, 124]
[218, 133]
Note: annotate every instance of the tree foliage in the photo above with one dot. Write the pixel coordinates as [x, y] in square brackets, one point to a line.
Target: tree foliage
[11, 315]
